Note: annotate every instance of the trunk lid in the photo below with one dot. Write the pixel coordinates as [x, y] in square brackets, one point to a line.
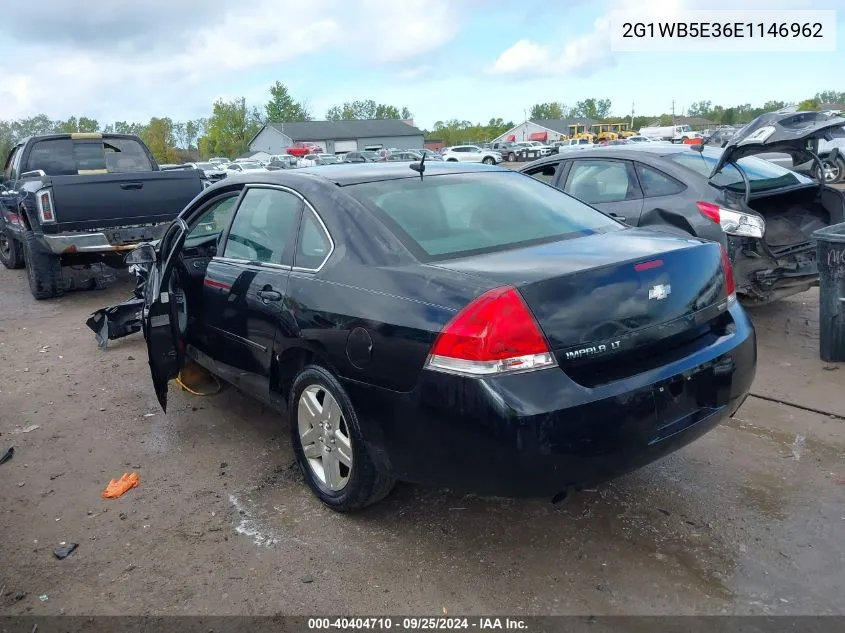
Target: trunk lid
[793, 133]
[608, 295]
[122, 199]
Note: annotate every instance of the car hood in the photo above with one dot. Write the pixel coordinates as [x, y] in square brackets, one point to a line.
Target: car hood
[792, 133]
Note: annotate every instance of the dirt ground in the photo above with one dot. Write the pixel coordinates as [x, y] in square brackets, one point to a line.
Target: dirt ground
[749, 519]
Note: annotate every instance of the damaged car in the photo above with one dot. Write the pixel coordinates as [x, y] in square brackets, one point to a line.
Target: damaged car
[448, 324]
[762, 213]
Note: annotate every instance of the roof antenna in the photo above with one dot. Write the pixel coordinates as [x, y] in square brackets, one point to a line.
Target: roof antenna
[420, 166]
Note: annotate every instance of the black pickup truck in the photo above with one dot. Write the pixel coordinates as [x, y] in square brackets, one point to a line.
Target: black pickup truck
[84, 199]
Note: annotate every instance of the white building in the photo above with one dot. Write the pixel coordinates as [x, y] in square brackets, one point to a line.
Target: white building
[544, 130]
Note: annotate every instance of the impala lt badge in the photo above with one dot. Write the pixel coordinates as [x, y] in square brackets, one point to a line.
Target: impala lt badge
[592, 350]
[660, 291]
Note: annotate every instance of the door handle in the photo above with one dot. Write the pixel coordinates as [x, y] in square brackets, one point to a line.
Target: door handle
[269, 295]
[131, 185]
[616, 216]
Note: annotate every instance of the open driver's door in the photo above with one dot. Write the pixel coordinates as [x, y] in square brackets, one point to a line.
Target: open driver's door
[165, 314]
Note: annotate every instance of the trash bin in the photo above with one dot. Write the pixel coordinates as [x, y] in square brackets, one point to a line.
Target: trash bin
[831, 260]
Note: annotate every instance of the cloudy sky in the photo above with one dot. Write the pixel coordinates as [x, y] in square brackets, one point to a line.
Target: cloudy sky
[465, 59]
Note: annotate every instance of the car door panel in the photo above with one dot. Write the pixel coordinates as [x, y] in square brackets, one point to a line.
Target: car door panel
[608, 185]
[165, 314]
[244, 289]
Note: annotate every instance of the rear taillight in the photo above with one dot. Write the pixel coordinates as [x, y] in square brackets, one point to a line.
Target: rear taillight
[734, 222]
[730, 284]
[709, 211]
[495, 334]
[44, 203]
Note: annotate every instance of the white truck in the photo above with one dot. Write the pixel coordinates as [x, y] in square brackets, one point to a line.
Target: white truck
[673, 133]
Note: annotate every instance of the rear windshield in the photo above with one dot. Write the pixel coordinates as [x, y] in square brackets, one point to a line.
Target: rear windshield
[762, 175]
[461, 214]
[67, 157]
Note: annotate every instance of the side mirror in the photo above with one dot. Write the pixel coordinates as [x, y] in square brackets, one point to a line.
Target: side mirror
[834, 154]
[143, 254]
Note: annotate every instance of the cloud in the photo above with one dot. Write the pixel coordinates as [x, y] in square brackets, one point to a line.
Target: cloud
[132, 60]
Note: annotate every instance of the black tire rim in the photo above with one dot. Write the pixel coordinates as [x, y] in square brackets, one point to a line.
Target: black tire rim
[5, 246]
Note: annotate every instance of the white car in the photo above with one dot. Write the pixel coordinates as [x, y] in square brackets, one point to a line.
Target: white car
[243, 167]
[471, 154]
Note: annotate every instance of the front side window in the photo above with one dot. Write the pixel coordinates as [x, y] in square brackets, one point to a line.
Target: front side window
[213, 221]
[452, 215]
[546, 173]
[599, 181]
[264, 228]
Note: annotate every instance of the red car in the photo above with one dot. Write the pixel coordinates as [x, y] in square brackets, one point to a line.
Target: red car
[299, 149]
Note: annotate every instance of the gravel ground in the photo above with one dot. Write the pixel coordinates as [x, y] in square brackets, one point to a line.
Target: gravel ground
[748, 519]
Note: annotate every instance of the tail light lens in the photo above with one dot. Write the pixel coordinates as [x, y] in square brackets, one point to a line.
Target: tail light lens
[709, 211]
[734, 222]
[495, 334]
[44, 203]
[730, 284]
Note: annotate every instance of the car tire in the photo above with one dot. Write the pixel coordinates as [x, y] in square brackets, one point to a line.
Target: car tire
[511, 157]
[44, 270]
[11, 253]
[489, 160]
[362, 484]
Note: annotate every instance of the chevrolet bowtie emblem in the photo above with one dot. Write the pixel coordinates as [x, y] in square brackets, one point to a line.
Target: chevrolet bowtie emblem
[660, 291]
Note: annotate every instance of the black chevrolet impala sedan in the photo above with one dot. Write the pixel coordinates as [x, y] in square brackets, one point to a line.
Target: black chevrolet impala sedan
[467, 327]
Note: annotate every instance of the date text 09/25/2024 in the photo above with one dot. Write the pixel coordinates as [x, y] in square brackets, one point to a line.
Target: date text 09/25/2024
[417, 623]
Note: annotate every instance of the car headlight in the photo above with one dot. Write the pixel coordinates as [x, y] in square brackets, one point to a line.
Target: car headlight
[741, 224]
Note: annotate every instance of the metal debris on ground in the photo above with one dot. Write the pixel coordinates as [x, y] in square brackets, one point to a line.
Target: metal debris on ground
[27, 429]
[7, 455]
[117, 487]
[65, 550]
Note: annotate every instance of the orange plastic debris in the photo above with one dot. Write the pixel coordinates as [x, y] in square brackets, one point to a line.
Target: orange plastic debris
[117, 487]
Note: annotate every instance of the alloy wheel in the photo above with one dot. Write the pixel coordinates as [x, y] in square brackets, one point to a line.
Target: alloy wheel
[325, 437]
[831, 171]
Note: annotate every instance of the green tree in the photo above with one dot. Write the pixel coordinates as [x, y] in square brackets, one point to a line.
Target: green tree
[366, 109]
[592, 109]
[552, 111]
[829, 96]
[158, 136]
[808, 105]
[230, 128]
[703, 109]
[283, 108]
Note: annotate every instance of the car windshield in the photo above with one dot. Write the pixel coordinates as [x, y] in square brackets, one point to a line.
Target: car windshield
[246, 165]
[206, 165]
[762, 175]
[453, 215]
[329, 158]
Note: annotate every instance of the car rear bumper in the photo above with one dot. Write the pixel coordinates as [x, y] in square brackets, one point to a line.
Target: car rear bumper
[540, 433]
[109, 241]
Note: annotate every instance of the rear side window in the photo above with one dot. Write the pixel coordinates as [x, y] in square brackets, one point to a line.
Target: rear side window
[599, 181]
[314, 245]
[655, 183]
[67, 157]
[460, 214]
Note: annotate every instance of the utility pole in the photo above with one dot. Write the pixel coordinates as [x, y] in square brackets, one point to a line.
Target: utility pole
[525, 122]
[673, 112]
[632, 115]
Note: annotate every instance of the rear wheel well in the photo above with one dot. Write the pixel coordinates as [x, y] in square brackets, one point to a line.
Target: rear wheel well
[291, 362]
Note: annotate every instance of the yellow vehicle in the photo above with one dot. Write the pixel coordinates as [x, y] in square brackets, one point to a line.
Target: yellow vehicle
[580, 131]
[605, 131]
[622, 130]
